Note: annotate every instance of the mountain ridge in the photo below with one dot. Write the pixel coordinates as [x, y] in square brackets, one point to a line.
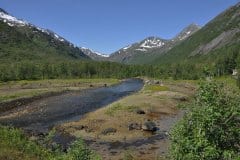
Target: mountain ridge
[21, 40]
[217, 39]
[151, 45]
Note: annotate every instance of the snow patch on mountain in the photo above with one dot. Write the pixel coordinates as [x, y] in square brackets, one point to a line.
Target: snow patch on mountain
[10, 20]
[152, 43]
[185, 36]
[13, 21]
[101, 54]
[89, 52]
[186, 32]
[125, 48]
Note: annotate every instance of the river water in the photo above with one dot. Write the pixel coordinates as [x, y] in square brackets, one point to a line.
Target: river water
[41, 115]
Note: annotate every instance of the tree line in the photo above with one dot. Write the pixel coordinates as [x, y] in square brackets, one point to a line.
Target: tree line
[30, 70]
[49, 69]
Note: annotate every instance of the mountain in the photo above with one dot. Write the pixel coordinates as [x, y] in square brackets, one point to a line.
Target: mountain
[20, 40]
[127, 53]
[146, 50]
[186, 32]
[94, 55]
[214, 42]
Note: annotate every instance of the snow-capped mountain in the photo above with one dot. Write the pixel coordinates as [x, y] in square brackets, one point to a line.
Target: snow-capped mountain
[33, 41]
[148, 46]
[93, 54]
[152, 42]
[151, 45]
[10, 20]
[13, 21]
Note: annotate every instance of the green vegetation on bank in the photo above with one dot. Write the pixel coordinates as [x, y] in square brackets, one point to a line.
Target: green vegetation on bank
[210, 130]
[12, 90]
[13, 143]
[119, 107]
[155, 88]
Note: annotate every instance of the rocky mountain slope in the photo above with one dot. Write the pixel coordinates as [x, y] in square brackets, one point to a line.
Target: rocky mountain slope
[144, 51]
[20, 40]
[218, 38]
[94, 55]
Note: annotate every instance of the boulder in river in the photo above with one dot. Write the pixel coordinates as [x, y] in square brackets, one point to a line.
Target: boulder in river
[149, 126]
[109, 131]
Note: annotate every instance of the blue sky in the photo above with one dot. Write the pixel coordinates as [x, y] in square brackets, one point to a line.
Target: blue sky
[108, 25]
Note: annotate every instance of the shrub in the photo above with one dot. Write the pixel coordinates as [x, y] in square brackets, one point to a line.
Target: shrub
[14, 145]
[210, 131]
[78, 151]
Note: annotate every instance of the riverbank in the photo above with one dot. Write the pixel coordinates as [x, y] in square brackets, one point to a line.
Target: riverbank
[18, 93]
[108, 130]
[39, 116]
[13, 90]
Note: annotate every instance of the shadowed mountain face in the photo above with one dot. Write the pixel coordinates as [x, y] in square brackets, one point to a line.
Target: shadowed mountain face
[20, 40]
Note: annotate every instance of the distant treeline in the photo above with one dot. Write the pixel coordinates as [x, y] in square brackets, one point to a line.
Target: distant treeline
[28, 70]
[34, 70]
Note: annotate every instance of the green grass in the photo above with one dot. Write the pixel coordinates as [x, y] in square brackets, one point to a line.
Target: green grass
[29, 88]
[15, 146]
[55, 82]
[119, 107]
[155, 88]
[13, 96]
[228, 81]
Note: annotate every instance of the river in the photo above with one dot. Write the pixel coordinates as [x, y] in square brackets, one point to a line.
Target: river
[43, 114]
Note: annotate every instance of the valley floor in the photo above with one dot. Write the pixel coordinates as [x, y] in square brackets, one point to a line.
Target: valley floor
[158, 102]
[116, 131]
[26, 89]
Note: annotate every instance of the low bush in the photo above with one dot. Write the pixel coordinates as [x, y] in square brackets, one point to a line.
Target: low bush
[14, 145]
[211, 129]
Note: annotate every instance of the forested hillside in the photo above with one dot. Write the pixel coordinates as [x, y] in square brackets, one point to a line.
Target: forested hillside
[20, 40]
[216, 46]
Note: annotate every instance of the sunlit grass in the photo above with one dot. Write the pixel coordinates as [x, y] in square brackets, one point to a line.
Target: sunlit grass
[155, 88]
[120, 107]
[26, 88]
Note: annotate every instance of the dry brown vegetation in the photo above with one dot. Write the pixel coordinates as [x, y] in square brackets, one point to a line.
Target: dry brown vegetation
[160, 106]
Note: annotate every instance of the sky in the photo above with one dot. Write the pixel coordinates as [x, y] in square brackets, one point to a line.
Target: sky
[108, 25]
